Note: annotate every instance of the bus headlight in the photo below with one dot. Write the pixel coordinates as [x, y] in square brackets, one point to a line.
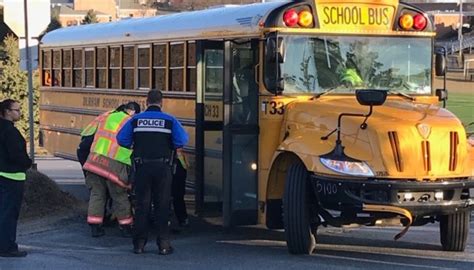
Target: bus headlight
[358, 168]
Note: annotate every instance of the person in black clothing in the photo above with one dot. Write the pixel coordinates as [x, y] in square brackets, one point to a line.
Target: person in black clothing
[14, 162]
[155, 136]
[178, 190]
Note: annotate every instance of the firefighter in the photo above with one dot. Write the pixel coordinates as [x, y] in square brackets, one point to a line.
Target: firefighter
[107, 168]
[14, 162]
[155, 136]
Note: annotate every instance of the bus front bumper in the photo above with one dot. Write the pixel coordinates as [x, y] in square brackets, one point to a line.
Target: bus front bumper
[419, 198]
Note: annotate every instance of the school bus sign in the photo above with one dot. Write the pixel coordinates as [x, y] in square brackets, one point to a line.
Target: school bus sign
[356, 15]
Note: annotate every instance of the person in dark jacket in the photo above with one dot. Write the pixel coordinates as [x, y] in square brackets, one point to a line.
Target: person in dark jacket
[155, 136]
[178, 190]
[14, 162]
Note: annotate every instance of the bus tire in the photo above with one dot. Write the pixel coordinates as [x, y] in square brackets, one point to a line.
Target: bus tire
[454, 231]
[296, 212]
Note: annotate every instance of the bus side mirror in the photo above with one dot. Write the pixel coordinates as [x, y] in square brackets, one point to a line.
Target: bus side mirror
[440, 64]
[442, 94]
[273, 58]
[275, 53]
[270, 54]
[371, 97]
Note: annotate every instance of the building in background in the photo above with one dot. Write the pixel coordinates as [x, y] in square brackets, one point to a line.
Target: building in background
[446, 15]
[13, 22]
[67, 16]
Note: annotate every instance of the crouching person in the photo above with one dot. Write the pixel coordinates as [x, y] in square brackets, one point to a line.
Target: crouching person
[108, 165]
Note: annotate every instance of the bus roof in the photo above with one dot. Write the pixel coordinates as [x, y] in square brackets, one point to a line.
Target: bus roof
[238, 20]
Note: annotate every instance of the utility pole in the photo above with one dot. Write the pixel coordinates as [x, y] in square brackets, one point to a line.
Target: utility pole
[460, 30]
[30, 87]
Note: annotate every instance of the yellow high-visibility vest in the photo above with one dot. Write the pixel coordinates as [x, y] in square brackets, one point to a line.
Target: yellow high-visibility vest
[91, 128]
[105, 141]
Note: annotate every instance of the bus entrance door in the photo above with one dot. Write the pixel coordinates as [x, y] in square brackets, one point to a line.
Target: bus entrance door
[209, 126]
[240, 134]
[227, 131]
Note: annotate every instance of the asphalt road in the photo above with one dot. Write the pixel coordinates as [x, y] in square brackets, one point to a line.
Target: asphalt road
[64, 243]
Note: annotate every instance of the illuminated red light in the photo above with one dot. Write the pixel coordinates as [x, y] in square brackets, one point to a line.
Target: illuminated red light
[290, 18]
[419, 22]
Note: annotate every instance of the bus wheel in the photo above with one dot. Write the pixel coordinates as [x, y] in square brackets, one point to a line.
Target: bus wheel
[454, 231]
[296, 211]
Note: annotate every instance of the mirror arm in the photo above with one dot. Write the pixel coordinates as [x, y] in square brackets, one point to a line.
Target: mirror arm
[364, 124]
[338, 129]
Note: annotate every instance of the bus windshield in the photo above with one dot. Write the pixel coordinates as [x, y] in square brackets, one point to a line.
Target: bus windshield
[344, 64]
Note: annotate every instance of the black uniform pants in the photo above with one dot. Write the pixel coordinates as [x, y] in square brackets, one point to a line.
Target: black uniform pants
[152, 184]
[178, 191]
[11, 195]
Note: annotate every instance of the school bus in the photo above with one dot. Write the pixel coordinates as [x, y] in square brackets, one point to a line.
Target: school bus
[301, 113]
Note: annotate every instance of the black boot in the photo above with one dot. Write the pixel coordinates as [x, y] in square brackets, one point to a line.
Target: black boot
[164, 247]
[126, 231]
[139, 246]
[97, 230]
[15, 253]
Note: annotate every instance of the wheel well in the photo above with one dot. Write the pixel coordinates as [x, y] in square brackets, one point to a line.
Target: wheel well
[276, 188]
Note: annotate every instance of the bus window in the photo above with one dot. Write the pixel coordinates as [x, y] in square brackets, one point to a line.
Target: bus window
[102, 67]
[144, 66]
[159, 66]
[176, 67]
[214, 70]
[114, 63]
[46, 67]
[57, 68]
[128, 67]
[89, 66]
[191, 70]
[67, 67]
[77, 68]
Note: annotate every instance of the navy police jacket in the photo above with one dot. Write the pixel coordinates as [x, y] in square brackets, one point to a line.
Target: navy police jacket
[153, 134]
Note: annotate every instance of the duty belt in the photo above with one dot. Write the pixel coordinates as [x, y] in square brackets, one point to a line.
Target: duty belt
[151, 160]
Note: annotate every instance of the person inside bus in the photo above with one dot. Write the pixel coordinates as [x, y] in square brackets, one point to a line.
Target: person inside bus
[107, 167]
[242, 85]
[14, 162]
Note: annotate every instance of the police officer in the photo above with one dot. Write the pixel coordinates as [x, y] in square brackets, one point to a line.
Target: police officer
[14, 162]
[155, 136]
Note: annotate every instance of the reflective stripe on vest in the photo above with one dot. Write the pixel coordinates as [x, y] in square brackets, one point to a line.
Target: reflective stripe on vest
[91, 128]
[105, 141]
[19, 176]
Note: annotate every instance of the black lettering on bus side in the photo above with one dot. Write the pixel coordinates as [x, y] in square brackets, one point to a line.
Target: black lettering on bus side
[371, 16]
[359, 16]
[276, 108]
[327, 14]
[339, 16]
[386, 19]
[211, 111]
[348, 16]
[378, 16]
[110, 102]
[91, 101]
